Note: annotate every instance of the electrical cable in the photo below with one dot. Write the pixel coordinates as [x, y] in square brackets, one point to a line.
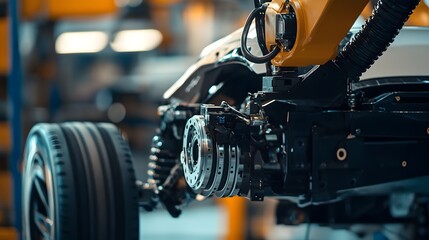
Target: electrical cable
[257, 3]
[260, 35]
[246, 53]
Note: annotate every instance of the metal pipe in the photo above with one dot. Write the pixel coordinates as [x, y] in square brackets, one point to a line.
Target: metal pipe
[14, 109]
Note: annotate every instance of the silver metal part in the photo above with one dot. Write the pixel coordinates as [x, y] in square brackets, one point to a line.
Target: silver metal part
[401, 203]
[197, 154]
[233, 178]
[210, 168]
[217, 171]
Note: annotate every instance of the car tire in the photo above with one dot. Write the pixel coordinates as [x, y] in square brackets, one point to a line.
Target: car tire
[79, 183]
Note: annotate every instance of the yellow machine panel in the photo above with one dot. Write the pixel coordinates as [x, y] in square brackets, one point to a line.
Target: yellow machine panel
[420, 16]
[4, 137]
[54, 9]
[319, 30]
[5, 199]
[4, 63]
[32, 8]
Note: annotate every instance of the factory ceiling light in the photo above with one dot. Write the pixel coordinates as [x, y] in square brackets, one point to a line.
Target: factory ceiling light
[81, 42]
[136, 40]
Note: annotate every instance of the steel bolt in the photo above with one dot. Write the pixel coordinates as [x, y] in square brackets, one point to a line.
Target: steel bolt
[341, 154]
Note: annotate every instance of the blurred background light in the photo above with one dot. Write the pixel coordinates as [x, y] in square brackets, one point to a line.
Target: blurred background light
[81, 42]
[103, 100]
[116, 113]
[136, 40]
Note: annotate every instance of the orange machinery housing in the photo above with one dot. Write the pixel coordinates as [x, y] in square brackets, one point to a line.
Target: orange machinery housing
[57, 9]
[318, 30]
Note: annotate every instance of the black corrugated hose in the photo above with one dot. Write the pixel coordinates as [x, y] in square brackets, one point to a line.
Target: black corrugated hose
[376, 35]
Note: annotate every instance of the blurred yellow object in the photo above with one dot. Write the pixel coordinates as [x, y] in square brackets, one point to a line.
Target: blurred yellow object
[8, 233]
[4, 62]
[236, 208]
[5, 198]
[4, 137]
[367, 11]
[319, 30]
[163, 2]
[420, 16]
[32, 8]
[55, 9]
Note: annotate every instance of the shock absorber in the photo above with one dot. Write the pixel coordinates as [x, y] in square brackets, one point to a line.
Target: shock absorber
[162, 159]
[165, 171]
[166, 145]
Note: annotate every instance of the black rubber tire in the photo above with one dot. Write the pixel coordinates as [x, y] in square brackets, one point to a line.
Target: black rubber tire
[85, 173]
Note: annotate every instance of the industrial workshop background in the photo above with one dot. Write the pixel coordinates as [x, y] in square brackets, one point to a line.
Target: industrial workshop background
[103, 61]
[111, 61]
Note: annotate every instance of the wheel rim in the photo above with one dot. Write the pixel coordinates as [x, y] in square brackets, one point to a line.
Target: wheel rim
[40, 202]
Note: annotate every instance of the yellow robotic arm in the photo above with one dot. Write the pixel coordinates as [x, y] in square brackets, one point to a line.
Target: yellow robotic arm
[297, 33]
[320, 27]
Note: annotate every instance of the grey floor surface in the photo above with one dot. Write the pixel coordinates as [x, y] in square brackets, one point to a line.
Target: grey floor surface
[208, 222]
[195, 223]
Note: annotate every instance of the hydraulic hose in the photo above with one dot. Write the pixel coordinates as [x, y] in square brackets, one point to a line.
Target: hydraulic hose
[378, 32]
[246, 53]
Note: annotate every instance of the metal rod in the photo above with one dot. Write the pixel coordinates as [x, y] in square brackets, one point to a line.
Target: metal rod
[14, 107]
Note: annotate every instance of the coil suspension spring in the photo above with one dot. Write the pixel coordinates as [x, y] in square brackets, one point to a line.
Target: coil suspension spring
[162, 159]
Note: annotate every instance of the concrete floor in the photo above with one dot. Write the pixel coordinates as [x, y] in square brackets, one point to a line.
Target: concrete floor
[200, 221]
[207, 221]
